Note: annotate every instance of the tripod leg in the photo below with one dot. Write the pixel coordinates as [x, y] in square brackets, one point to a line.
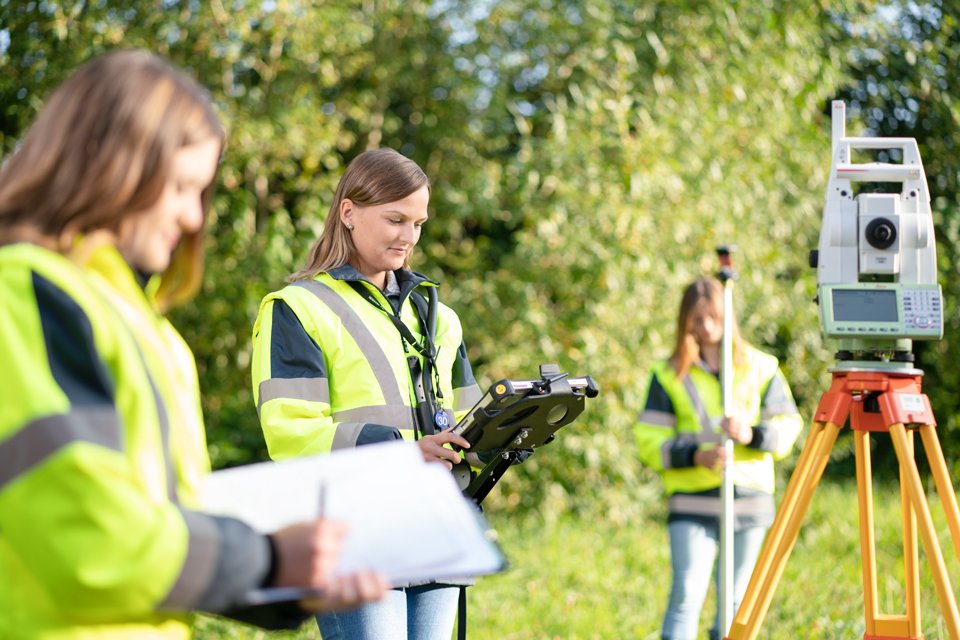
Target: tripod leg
[868, 547]
[787, 504]
[938, 468]
[880, 625]
[911, 557]
[783, 534]
[911, 478]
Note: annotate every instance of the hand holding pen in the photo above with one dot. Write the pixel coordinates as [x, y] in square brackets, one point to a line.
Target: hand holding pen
[306, 557]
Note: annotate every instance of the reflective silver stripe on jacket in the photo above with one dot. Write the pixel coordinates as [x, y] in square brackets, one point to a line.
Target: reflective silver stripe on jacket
[197, 572]
[399, 416]
[365, 340]
[665, 458]
[657, 418]
[34, 443]
[706, 424]
[710, 505]
[451, 420]
[464, 398]
[346, 435]
[777, 400]
[309, 389]
[164, 423]
[786, 408]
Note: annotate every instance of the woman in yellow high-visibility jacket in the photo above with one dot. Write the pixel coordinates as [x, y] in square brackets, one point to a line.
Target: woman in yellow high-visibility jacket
[679, 433]
[357, 350]
[102, 446]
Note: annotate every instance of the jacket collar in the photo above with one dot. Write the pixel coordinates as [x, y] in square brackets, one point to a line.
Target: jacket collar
[407, 280]
[103, 258]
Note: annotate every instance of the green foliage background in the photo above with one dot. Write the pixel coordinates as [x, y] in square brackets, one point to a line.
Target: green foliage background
[587, 158]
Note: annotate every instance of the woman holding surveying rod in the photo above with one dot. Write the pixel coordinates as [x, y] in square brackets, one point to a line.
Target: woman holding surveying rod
[102, 447]
[679, 434]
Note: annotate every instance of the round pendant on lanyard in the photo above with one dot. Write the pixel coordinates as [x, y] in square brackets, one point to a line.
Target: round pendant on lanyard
[441, 420]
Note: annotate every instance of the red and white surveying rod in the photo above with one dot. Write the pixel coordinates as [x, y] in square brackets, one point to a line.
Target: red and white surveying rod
[726, 275]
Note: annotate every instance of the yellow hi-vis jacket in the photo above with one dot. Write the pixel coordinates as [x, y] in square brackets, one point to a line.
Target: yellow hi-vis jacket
[97, 539]
[682, 415]
[330, 368]
[170, 362]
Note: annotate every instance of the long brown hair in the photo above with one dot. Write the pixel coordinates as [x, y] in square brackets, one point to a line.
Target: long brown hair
[101, 150]
[374, 177]
[686, 350]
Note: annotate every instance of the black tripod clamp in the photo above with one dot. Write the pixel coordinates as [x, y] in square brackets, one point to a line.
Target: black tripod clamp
[517, 416]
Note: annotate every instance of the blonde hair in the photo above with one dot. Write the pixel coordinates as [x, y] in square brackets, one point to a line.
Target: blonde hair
[374, 177]
[686, 350]
[101, 150]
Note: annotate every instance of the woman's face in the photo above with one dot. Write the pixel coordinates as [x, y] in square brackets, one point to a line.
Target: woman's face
[147, 240]
[385, 234]
[706, 323]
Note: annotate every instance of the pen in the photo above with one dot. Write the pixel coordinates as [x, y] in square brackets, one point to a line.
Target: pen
[321, 506]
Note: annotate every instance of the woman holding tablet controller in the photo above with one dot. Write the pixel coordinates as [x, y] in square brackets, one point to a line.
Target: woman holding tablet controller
[358, 350]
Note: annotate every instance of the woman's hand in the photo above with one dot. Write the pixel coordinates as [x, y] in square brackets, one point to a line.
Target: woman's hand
[347, 592]
[714, 458]
[433, 450]
[737, 429]
[306, 555]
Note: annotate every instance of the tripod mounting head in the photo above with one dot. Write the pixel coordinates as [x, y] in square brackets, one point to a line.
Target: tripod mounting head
[725, 258]
[876, 261]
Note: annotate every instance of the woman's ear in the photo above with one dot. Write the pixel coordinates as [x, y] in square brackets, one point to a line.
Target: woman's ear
[346, 212]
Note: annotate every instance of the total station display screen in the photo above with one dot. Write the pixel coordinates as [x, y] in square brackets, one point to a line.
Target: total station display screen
[861, 305]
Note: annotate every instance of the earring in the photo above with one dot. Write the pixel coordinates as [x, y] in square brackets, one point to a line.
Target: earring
[349, 226]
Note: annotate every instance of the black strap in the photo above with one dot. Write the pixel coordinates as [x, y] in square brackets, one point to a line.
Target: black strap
[431, 402]
[462, 615]
[426, 314]
[424, 347]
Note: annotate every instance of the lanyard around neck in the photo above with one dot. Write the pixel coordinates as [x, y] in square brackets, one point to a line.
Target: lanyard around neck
[430, 412]
[424, 346]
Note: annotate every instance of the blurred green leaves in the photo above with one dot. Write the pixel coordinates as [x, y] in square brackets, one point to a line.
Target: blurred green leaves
[587, 158]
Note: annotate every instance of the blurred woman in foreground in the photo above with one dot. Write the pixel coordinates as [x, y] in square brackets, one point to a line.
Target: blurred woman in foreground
[102, 447]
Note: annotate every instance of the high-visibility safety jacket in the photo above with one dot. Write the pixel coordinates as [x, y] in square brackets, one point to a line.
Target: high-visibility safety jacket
[681, 416]
[171, 364]
[97, 474]
[330, 369]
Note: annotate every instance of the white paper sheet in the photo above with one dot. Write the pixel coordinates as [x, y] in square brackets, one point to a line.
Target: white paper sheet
[407, 519]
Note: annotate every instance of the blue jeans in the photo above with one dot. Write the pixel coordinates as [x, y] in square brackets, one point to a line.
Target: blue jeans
[427, 612]
[693, 553]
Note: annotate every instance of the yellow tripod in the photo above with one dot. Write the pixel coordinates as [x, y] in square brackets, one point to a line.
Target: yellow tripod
[878, 400]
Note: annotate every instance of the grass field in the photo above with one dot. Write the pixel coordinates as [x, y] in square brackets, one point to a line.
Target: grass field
[608, 577]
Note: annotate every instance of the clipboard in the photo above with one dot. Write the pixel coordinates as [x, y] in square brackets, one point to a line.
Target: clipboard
[408, 537]
[515, 415]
